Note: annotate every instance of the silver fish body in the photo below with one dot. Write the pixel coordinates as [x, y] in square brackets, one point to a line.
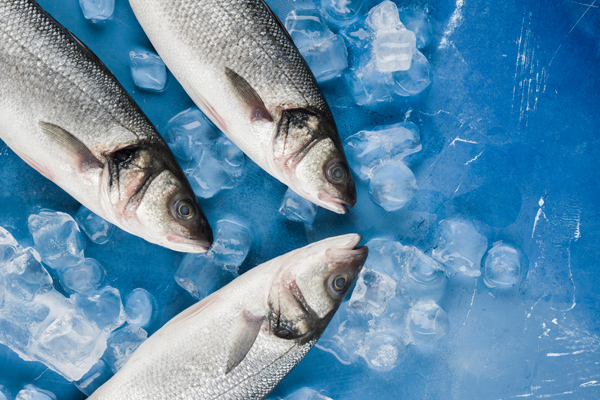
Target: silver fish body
[242, 340]
[67, 116]
[239, 65]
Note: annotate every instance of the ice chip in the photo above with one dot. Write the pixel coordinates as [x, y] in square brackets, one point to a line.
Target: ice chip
[418, 22]
[504, 266]
[121, 345]
[425, 276]
[102, 307]
[344, 336]
[382, 351]
[393, 51]
[97, 10]
[327, 58]
[366, 149]
[296, 208]
[139, 307]
[30, 392]
[94, 378]
[57, 238]
[416, 79]
[83, 277]
[8, 246]
[460, 247]
[384, 256]
[306, 394]
[4, 393]
[427, 322]
[148, 71]
[342, 9]
[189, 134]
[384, 17]
[232, 158]
[372, 293]
[208, 177]
[231, 245]
[97, 229]
[392, 185]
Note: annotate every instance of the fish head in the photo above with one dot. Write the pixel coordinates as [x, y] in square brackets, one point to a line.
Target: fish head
[311, 285]
[151, 198]
[308, 149]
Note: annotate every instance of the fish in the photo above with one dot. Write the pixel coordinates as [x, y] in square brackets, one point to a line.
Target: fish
[242, 340]
[239, 65]
[66, 115]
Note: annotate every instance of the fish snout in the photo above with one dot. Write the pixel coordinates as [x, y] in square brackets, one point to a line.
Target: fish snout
[348, 259]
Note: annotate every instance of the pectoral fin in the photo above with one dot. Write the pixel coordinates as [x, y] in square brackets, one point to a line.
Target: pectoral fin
[243, 337]
[246, 93]
[84, 159]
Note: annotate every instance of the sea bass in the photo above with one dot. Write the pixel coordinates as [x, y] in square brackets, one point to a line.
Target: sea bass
[242, 340]
[66, 115]
[236, 61]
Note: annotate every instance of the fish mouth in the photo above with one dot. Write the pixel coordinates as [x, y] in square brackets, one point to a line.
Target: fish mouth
[336, 204]
[348, 256]
[187, 245]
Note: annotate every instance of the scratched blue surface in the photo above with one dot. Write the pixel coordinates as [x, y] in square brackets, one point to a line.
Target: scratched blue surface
[518, 80]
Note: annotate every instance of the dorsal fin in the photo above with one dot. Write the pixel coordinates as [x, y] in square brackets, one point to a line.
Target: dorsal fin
[246, 93]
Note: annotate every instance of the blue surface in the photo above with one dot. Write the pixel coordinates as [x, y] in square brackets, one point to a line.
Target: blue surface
[509, 134]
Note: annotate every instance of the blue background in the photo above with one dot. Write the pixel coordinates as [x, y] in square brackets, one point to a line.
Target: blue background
[519, 78]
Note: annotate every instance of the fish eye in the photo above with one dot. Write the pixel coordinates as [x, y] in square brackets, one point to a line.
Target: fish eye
[339, 283]
[184, 209]
[337, 173]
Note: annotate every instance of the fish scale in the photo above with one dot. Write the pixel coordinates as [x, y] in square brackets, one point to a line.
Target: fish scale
[65, 114]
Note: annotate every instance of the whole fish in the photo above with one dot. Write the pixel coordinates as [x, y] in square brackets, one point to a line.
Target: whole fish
[66, 115]
[239, 65]
[242, 340]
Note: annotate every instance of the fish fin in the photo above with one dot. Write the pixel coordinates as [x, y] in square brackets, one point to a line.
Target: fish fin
[75, 147]
[243, 338]
[248, 95]
[277, 20]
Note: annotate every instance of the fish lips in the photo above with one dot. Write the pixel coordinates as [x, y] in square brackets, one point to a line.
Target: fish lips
[337, 204]
[185, 244]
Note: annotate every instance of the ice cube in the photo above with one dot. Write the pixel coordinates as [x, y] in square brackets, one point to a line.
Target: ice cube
[208, 177]
[83, 277]
[232, 158]
[26, 276]
[427, 322]
[94, 378]
[200, 275]
[416, 79]
[372, 293]
[9, 247]
[97, 229]
[139, 307]
[296, 208]
[231, 245]
[370, 87]
[384, 18]
[121, 345]
[57, 238]
[30, 392]
[327, 59]
[384, 256]
[306, 27]
[97, 10]
[306, 394]
[418, 22]
[382, 351]
[4, 393]
[324, 51]
[189, 134]
[148, 71]
[460, 247]
[366, 149]
[102, 307]
[425, 276]
[344, 336]
[342, 9]
[504, 266]
[392, 185]
[393, 51]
